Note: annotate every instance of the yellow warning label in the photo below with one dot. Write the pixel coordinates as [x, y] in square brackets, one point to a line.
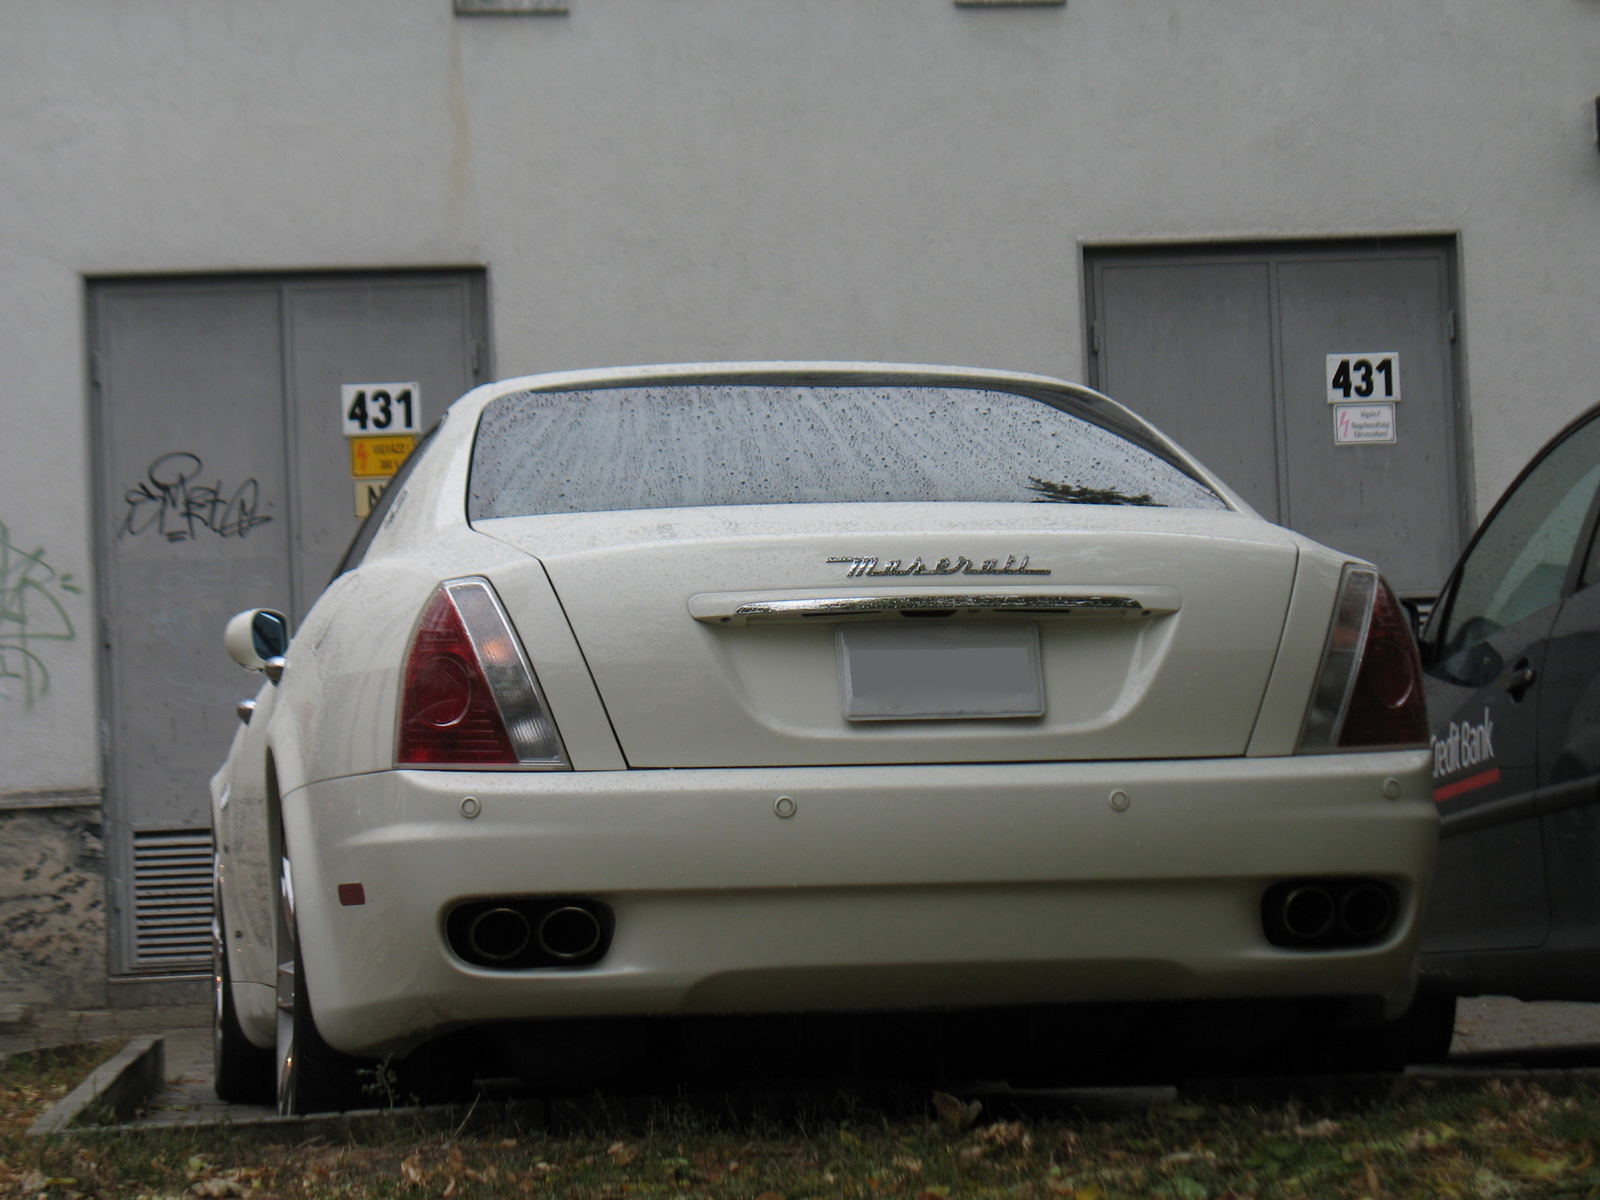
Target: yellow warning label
[367, 493]
[379, 457]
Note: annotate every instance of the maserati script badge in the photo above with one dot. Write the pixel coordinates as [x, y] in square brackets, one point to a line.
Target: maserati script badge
[860, 566]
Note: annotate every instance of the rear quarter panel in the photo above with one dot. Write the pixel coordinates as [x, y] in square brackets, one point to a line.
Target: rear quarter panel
[1305, 633]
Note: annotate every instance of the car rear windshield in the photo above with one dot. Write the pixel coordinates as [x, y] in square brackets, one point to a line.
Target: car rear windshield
[688, 445]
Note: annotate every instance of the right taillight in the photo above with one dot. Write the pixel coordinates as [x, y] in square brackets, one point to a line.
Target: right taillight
[1368, 691]
[468, 697]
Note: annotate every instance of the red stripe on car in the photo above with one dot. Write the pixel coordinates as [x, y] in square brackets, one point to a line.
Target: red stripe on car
[1470, 784]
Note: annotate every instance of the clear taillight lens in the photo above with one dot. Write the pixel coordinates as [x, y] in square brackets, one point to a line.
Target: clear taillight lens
[468, 697]
[1369, 688]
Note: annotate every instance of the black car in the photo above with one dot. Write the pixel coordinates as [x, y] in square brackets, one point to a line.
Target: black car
[1511, 655]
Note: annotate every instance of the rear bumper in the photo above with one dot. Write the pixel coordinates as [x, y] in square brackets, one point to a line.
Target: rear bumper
[889, 887]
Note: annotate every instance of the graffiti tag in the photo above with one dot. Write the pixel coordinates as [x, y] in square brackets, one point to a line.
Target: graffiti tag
[31, 612]
[168, 501]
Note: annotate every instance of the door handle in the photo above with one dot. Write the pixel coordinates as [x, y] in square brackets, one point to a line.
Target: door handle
[1520, 679]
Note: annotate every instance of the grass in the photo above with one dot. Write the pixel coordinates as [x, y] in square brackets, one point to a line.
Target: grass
[30, 1082]
[1505, 1140]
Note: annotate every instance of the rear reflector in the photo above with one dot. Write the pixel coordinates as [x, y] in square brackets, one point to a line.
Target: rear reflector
[468, 696]
[1369, 688]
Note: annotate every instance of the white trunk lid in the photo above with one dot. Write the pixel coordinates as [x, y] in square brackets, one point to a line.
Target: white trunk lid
[712, 636]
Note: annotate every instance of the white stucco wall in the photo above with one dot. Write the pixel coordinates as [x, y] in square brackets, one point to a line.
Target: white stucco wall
[699, 179]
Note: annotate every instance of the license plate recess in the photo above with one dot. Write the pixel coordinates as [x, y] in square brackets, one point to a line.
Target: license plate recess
[952, 670]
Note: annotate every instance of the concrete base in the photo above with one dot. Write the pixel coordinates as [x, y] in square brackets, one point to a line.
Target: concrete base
[52, 908]
[166, 991]
[61, 1026]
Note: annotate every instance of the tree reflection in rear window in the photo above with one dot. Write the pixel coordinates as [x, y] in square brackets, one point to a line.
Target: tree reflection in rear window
[688, 445]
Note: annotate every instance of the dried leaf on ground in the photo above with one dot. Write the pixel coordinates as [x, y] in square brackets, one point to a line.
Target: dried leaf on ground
[621, 1153]
[956, 1114]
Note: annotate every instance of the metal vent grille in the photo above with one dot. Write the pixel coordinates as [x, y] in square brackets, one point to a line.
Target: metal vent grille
[172, 901]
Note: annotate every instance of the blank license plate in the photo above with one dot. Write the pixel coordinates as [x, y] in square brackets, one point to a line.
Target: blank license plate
[903, 671]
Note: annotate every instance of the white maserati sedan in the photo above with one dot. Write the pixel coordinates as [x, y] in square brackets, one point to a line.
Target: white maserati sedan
[909, 718]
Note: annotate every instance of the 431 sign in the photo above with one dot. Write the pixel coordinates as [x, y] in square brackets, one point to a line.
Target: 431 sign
[379, 408]
[1365, 377]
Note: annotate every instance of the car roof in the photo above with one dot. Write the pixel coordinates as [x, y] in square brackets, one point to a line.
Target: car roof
[798, 372]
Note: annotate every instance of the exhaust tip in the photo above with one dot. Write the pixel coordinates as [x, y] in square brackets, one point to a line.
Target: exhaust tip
[1308, 912]
[498, 934]
[1366, 911]
[1330, 913]
[518, 933]
[569, 932]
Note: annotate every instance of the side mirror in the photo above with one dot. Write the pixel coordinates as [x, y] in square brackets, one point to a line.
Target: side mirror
[1477, 666]
[257, 640]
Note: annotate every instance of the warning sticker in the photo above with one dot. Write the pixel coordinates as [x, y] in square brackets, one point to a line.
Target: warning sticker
[379, 457]
[367, 493]
[1363, 424]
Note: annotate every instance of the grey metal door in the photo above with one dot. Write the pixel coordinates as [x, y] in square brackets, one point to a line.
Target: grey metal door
[223, 482]
[1189, 346]
[1227, 349]
[426, 331]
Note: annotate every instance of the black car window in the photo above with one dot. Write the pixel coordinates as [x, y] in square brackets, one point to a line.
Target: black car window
[373, 521]
[1519, 562]
[687, 445]
[1591, 561]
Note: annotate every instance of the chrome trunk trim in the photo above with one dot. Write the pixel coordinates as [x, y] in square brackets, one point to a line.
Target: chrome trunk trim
[740, 608]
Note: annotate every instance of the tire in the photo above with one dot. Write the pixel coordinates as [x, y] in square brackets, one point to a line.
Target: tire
[1424, 1033]
[1421, 1035]
[312, 1076]
[241, 1072]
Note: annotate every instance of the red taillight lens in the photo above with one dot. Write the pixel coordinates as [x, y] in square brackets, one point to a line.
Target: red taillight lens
[447, 714]
[1368, 691]
[1387, 707]
[468, 697]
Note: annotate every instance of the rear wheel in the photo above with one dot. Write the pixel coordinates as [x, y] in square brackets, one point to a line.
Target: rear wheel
[1423, 1034]
[240, 1070]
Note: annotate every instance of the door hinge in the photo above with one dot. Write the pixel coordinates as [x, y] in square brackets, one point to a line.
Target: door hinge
[1450, 324]
[94, 368]
[1094, 337]
[478, 357]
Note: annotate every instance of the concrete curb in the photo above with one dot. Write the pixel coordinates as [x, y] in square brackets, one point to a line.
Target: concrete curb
[114, 1089]
[429, 1118]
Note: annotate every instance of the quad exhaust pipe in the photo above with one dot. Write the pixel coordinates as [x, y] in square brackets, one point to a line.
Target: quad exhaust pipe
[1328, 914]
[1307, 912]
[1367, 910]
[498, 934]
[569, 932]
[514, 933]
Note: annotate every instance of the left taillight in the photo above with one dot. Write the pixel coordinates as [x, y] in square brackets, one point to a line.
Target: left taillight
[468, 697]
[1369, 691]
